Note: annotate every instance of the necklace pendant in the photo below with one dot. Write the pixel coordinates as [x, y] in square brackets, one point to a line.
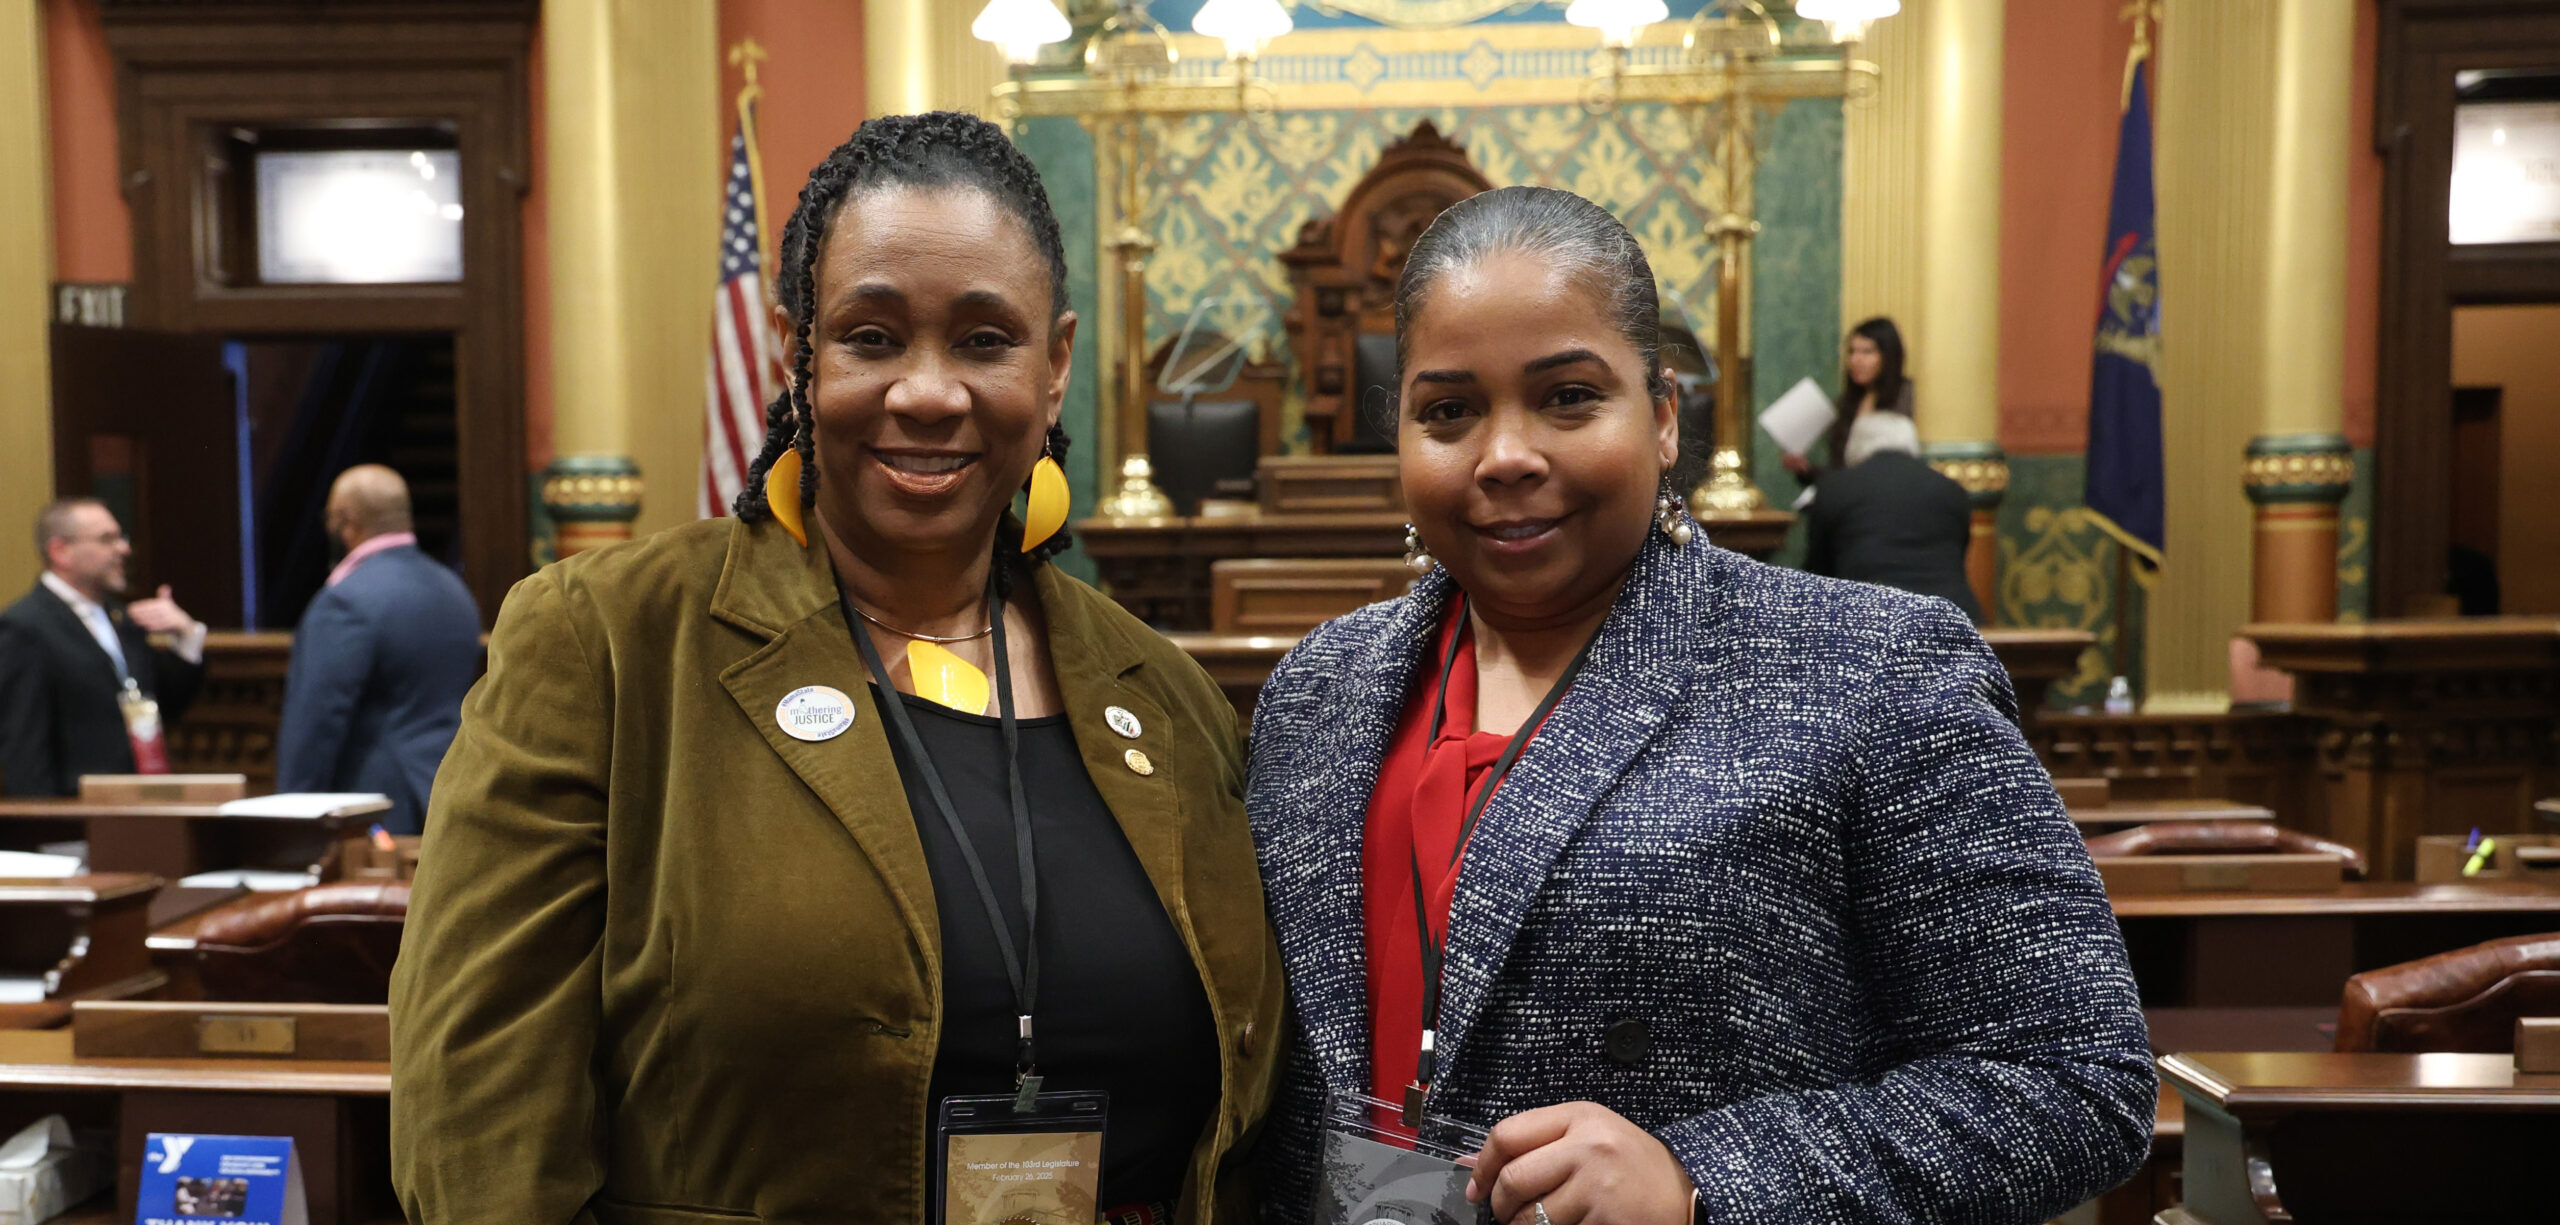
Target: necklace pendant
[946, 679]
[1413, 1098]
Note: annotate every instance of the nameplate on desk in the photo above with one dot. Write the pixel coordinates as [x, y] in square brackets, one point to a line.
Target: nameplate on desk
[250, 1180]
[239, 1035]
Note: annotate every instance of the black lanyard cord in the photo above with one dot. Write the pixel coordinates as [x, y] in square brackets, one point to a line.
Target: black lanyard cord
[1435, 951]
[1022, 966]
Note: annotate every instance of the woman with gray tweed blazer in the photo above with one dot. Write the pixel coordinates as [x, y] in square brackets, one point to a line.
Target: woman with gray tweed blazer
[1771, 915]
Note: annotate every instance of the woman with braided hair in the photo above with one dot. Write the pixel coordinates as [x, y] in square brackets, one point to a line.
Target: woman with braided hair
[774, 850]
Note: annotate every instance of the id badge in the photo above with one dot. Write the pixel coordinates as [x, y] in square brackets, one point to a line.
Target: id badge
[142, 728]
[1374, 1170]
[994, 1165]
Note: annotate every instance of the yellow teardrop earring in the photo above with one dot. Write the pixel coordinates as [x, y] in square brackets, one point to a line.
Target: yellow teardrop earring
[782, 493]
[1046, 510]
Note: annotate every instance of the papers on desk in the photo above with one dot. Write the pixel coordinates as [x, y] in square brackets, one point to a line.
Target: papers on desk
[307, 805]
[252, 879]
[1799, 417]
[21, 988]
[34, 864]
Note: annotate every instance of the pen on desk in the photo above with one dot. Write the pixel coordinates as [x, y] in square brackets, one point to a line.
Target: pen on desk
[2472, 843]
[2480, 858]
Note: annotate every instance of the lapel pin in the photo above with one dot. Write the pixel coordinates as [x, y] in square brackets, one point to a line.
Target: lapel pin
[1122, 721]
[814, 712]
[1138, 762]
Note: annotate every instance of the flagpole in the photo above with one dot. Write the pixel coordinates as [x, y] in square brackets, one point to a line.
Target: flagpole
[745, 55]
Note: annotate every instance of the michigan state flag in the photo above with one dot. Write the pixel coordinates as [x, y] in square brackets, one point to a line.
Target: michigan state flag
[2126, 491]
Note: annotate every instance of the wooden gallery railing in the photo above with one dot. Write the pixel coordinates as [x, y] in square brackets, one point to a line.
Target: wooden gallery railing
[2398, 729]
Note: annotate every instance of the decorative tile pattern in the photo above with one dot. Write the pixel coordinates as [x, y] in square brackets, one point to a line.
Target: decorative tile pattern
[2057, 569]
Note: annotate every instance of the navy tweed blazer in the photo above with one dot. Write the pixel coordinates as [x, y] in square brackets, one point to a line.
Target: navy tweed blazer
[1785, 844]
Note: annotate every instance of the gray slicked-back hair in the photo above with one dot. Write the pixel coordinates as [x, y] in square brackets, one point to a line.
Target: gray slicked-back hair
[1559, 227]
[1879, 432]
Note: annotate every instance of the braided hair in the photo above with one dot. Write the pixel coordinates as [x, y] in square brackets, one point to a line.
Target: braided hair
[941, 149]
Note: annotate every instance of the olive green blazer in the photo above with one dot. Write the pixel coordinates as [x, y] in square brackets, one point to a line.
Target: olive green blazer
[665, 963]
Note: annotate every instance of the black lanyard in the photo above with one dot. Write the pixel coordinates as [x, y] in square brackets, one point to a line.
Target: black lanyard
[1435, 951]
[1021, 967]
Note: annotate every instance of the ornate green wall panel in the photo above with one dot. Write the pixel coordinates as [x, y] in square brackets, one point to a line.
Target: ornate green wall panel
[1064, 153]
[2057, 569]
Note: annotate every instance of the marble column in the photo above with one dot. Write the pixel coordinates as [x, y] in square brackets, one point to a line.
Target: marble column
[1955, 351]
[26, 273]
[2298, 467]
[630, 100]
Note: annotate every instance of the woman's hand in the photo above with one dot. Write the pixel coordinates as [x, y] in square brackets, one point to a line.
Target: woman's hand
[1585, 1164]
[1797, 464]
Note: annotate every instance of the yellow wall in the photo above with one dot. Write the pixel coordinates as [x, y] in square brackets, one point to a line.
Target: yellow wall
[2510, 347]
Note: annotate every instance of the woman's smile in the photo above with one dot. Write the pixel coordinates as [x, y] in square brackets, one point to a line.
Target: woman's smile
[1513, 537]
[924, 473]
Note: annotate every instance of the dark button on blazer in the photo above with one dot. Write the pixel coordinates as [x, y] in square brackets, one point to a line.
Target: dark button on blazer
[1779, 881]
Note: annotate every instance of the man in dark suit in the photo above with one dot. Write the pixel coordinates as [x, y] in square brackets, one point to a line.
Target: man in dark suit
[1887, 518]
[72, 648]
[381, 661]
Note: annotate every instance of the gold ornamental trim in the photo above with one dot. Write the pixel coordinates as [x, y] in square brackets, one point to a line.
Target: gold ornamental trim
[1976, 475]
[2315, 468]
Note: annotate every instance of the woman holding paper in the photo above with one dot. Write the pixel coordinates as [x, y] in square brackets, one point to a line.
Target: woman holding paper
[1871, 381]
[1718, 892]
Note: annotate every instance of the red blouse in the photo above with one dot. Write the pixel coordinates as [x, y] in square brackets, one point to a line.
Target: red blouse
[1414, 816]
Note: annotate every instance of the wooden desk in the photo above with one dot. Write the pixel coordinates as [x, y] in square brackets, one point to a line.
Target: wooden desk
[2152, 812]
[337, 1112]
[2364, 1139]
[1158, 569]
[2436, 726]
[84, 933]
[2279, 950]
[179, 840]
[1241, 662]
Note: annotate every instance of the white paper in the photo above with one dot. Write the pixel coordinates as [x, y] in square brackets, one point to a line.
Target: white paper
[1799, 417]
[34, 864]
[309, 805]
[29, 1146]
[252, 879]
[21, 988]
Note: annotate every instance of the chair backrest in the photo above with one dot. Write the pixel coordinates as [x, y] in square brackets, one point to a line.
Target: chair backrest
[2467, 1000]
[2223, 838]
[330, 944]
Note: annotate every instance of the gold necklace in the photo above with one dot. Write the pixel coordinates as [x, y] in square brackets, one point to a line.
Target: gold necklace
[859, 612]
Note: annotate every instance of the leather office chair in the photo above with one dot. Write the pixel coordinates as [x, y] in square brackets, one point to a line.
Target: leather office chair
[2467, 1000]
[330, 944]
[2223, 838]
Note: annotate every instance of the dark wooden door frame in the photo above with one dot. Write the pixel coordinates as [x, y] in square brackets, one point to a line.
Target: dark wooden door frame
[188, 72]
[2422, 44]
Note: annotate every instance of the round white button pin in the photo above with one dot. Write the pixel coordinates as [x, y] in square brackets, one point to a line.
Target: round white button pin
[814, 712]
[1122, 721]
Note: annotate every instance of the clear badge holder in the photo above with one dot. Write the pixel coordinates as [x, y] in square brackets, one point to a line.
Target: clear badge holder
[996, 1164]
[1374, 1171]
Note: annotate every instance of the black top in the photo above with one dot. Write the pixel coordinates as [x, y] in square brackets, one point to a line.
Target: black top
[1896, 522]
[1121, 1008]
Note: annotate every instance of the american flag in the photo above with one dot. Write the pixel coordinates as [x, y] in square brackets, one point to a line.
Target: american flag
[746, 355]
